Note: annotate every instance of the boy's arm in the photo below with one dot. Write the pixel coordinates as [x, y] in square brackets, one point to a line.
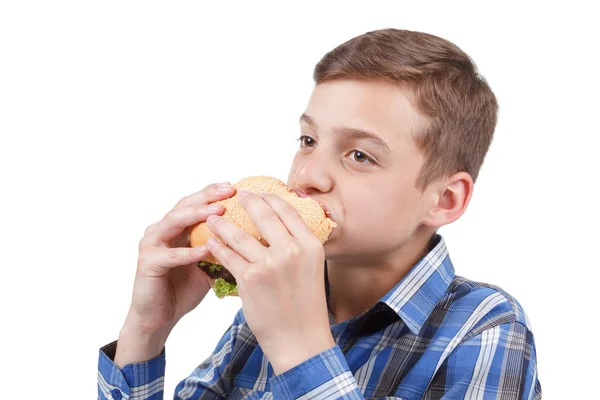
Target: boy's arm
[145, 380]
[498, 362]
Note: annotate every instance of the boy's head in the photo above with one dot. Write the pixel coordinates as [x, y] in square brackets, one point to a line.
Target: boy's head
[393, 137]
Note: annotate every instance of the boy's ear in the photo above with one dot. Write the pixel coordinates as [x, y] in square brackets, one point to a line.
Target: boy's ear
[451, 197]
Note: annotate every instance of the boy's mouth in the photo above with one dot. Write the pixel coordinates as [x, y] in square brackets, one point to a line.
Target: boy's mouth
[324, 208]
[301, 194]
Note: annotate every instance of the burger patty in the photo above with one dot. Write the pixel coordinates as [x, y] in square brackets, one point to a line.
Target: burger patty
[222, 272]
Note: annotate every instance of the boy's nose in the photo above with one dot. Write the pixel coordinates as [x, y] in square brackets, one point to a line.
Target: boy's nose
[313, 177]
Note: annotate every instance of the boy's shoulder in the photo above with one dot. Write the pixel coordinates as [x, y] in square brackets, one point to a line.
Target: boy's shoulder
[489, 305]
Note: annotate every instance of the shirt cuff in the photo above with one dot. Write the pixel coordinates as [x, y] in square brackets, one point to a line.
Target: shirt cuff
[326, 375]
[144, 380]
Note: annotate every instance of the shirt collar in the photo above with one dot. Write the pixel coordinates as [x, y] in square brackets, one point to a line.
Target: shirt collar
[415, 296]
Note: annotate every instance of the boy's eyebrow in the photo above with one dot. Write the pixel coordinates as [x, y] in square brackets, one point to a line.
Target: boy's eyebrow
[351, 133]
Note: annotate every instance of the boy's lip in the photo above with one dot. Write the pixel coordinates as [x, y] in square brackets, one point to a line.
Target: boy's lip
[302, 194]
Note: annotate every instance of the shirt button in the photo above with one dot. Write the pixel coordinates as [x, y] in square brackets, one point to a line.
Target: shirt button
[116, 394]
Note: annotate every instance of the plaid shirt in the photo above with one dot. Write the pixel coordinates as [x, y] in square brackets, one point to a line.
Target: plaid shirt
[434, 335]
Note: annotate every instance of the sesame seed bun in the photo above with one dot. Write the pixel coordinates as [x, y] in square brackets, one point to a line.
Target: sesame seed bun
[309, 209]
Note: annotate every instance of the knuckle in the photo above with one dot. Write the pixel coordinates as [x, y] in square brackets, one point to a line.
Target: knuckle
[251, 276]
[172, 254]
[269, 262]
[142, 243]
[184, 201]
[174, 215]
[240, 236]
[149, 229]
[291, 250]
[268, 215]
[170, 215]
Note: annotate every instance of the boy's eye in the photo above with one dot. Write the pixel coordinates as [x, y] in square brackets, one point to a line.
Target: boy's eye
[306, 141]
[361, 157]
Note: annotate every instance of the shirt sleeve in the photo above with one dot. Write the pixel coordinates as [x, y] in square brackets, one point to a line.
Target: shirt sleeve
[499, 362]
[324, 376]
[145, 380]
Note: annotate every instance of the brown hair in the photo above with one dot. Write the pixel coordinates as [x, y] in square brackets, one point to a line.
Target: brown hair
[460, 107]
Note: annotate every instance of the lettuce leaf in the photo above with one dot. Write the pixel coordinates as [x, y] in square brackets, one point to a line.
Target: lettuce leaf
[223, 288]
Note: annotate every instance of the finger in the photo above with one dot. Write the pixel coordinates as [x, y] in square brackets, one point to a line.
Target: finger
[150, 228]
[178, 241]
[210, 194]
[231, 260]
[292, 220]
[270, 226]
[160, 260]
[177, 220]
[236, 238]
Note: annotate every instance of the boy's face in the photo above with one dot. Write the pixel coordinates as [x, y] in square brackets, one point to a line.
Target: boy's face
[368, 187]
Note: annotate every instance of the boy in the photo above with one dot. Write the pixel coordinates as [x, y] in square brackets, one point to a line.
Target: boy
[391, 142]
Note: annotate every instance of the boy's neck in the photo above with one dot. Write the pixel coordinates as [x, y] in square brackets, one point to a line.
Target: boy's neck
[354, 288]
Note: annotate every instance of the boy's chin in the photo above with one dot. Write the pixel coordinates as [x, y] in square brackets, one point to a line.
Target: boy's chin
[334, 248]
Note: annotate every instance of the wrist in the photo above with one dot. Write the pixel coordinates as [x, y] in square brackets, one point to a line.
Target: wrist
[136, 345]
[294, 354]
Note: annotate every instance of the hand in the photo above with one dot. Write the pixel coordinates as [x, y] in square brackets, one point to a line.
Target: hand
[168, 284]
[282, 286]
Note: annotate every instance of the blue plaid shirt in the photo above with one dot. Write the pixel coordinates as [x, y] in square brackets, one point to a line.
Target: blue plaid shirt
[434, 335]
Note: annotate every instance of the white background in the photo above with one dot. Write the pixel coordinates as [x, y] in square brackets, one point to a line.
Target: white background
[111, 111]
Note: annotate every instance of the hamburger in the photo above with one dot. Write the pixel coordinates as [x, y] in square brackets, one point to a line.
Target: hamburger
[222, 281]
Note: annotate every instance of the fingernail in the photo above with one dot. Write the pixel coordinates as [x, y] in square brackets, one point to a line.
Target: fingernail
[244, 193]
[212, 218]
[223, 187]
[200, 250]
[263, 194]
[211, 242]
[213, 207]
